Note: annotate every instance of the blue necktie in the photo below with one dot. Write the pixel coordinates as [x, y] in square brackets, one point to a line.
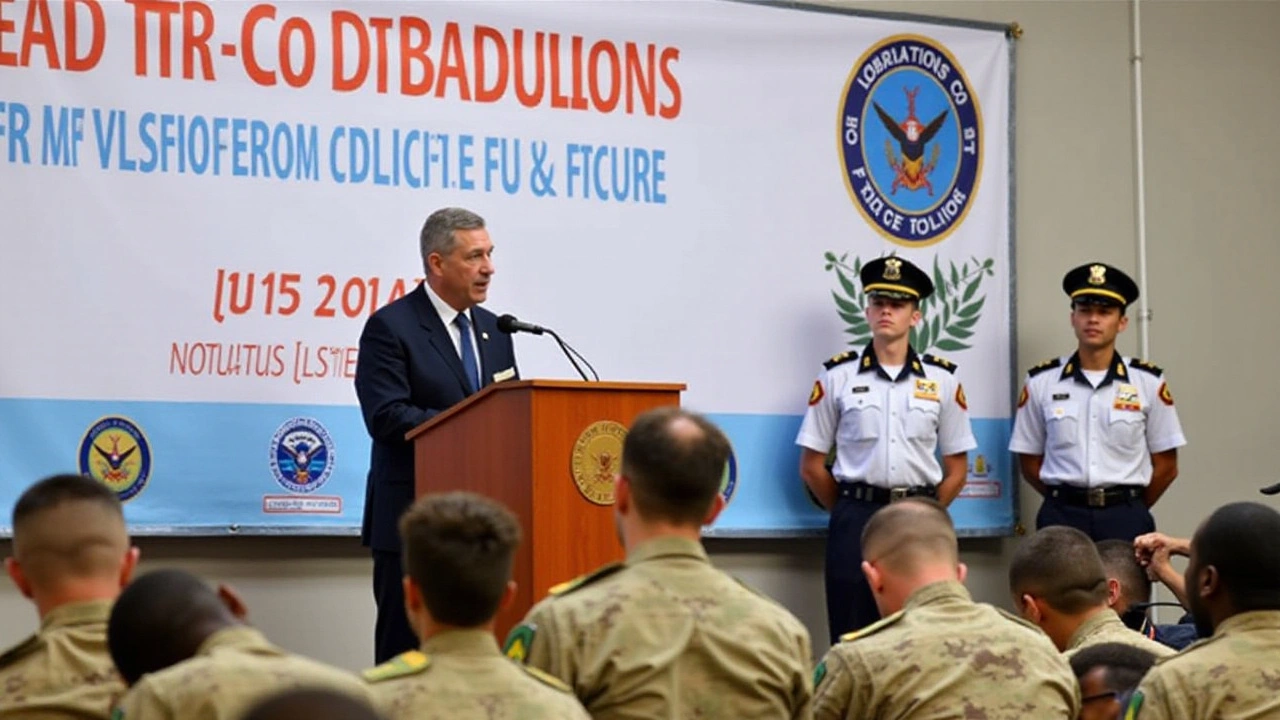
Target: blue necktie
[468, 351]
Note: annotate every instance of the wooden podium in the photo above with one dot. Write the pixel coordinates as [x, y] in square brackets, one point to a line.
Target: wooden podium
[519, 443]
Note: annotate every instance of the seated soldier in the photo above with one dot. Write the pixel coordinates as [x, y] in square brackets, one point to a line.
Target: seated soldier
[1129, 595]
[665, 634]
[936, 653]
[1108, 674]
[1059, 584]
[186, 654]
[1232, 587]
[71, 556]
[310, 704]
[458, 554]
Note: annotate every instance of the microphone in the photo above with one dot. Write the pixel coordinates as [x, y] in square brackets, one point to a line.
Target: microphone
[509, 324]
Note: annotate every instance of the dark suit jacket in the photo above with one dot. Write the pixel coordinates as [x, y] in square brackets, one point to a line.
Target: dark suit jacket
[408, 371]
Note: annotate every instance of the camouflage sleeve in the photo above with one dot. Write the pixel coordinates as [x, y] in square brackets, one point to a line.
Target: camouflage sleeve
[836, 692]
[802, 702]
[143, 702]
[1151, 701]
[538, 633]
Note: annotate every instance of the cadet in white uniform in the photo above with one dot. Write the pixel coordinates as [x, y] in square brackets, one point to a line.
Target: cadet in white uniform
[887, 412]
[1096, 433]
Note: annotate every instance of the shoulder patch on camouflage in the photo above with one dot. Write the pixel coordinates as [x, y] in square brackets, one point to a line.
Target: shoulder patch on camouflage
[584, 580]
[941, 362]
[19, 650]
[519, 640]
[117, 714]
[842, 358]
[819, 673]
[1135, 705]
[1046, 365]
[873, 628]
[404, 664]
[547, 679]
[1149, 367]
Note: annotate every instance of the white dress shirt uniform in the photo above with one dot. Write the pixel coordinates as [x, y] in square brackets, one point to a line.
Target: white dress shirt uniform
[1096, 437]
[886, 430]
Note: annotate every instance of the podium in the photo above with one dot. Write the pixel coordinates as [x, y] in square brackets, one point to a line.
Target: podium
[548, 450]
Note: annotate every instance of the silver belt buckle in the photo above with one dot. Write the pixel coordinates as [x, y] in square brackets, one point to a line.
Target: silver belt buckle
[896, 494]
[1097, 497]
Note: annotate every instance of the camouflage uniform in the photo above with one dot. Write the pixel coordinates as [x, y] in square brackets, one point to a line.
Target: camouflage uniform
[231, 671]
[666, 635]
[1233, 674]
[1107, 627]
[462, 675]
[64, 670]
[944, 655]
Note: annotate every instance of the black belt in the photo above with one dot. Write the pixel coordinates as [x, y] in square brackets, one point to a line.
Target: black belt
[1094, 497]
[870, 493]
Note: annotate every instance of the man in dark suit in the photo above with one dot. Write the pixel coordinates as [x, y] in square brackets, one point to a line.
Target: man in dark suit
[418, 356]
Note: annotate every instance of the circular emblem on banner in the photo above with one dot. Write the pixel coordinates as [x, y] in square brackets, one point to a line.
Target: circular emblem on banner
[301, 455]
[910, 136]
[116, 452]
[729, 480]
[597, 458]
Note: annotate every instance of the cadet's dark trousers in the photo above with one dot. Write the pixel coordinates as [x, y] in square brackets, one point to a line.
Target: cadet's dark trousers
[392, 634]
[850, 605]
[1126, 519]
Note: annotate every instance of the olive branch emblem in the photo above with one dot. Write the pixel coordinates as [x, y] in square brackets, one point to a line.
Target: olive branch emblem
[947, 316]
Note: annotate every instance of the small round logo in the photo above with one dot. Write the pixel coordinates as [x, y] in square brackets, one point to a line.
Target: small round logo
[597, 459]
[116, 452]
[729, 480]
[910, 136]
[302, 455]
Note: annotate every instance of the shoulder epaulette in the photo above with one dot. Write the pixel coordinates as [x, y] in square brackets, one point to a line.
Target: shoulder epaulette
[873, 628]
[1149, 367]
[19, 650]
[402, 665]
[547, 679]
[941, 362]
[842, 358]
[1046, 365]
[585, 580]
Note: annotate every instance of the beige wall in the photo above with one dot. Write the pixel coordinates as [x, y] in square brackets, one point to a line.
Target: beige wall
[1213, 162]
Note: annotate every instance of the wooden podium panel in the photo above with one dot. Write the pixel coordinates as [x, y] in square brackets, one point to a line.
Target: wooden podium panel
[514, 442]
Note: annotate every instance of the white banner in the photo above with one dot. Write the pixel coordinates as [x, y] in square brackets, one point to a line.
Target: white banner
[203, 202]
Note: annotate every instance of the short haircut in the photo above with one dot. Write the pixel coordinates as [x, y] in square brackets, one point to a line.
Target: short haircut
[909, 535]
[674, 460]
[68, 526]
[1060, 565]
[1124, 665]
[1242, 541]
[437, 235]
[311, 704]
[1119, 562]
[459, 549]
[161, 619]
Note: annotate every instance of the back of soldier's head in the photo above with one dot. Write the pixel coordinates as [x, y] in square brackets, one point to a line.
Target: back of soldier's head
[1120, 563]
[1059, 565]
[69, 527]
[459, 549]
[909, 536]
[161, 619]
[311, 704]
[1242, 541]
[1123, 666]
[674, 461]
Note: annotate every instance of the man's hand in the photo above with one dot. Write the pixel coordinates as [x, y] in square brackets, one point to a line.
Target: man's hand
[1154, 551]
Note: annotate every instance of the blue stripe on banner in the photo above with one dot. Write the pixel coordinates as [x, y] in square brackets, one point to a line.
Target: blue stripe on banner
[210, 462]
[211, 468]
